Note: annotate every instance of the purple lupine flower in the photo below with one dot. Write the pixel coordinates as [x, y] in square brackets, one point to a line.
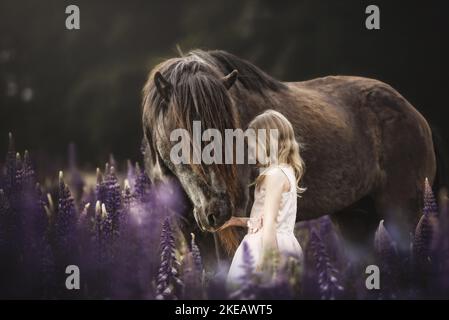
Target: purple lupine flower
[388, 258]
[103, 232]
[192, 288]
[144, 217]
[106, 168]
[83, 220]
[89, 197]
[105, 191]
[98, 234]
[426, 233]
[425, 238]
[86, 239]
[10, 166]
[128, 255]
[425, 245]
[24, 184]
[192, 273]
[29, 178]
[328, 276]
[41, 202]
[66, 219]
[384, 246]
[333, 243]
[62, 234]
[34, 219]
[127, 195]
[142, 186]
[127, 200]
[100, 190]
[131, 174]
[98, 259]
[34, 224]
[196, 255]
[16, 191]
[248, 282]
[430, 204]
[113, 199]
[112, 162]
[248, 264]
[106, 226]
[167, 280]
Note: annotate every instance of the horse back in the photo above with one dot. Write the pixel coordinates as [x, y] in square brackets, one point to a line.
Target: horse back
[355, 132]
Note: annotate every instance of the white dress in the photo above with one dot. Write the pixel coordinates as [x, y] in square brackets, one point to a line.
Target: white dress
[287, 243]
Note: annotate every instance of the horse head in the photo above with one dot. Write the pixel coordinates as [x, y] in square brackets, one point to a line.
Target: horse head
[178, 92]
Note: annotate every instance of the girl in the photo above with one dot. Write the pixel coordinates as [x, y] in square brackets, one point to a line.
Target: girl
[273, 215]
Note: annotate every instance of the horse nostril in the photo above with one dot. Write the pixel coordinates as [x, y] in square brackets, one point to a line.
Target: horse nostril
[212, 219]
[217, 213]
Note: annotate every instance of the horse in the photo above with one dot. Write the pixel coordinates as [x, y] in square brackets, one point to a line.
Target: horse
[367, 150]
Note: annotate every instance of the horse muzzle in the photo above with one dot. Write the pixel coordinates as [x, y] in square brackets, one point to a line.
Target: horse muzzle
[217, 212]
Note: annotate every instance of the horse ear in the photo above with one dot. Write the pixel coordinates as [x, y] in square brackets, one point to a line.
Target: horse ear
[230, 79]
[163, 86]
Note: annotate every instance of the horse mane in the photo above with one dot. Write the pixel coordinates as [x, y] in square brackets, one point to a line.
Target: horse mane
[250, 76]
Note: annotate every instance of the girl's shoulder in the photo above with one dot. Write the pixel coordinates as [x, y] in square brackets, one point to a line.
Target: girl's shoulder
[276, 169]
[279, 175]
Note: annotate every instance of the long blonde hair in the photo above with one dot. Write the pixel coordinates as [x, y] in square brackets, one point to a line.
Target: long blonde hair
[288, 146]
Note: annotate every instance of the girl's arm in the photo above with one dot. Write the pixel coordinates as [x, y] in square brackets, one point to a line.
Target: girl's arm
[235, 222]
[274, 186]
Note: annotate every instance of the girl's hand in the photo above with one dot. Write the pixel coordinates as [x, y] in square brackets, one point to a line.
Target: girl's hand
[254, 224]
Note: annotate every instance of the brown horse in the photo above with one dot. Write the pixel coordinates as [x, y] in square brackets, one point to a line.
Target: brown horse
[364, 145]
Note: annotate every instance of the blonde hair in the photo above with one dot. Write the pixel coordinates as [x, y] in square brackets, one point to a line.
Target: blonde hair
[288, 146]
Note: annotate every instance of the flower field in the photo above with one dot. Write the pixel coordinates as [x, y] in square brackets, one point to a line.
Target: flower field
[123, 233]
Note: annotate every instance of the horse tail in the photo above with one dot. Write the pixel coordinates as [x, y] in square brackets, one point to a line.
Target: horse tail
[442, 158]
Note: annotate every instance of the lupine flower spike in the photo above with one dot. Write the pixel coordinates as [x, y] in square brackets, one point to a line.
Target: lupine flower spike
[426, 234]
[168, 282]
[328, 276]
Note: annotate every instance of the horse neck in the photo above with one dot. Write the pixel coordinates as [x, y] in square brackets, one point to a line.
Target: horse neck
[250, 104]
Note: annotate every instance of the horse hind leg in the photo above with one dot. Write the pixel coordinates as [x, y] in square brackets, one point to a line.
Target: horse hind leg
[406, 158]
[357, 225]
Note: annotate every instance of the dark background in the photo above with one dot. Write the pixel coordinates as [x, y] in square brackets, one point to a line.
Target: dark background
[59, 86]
